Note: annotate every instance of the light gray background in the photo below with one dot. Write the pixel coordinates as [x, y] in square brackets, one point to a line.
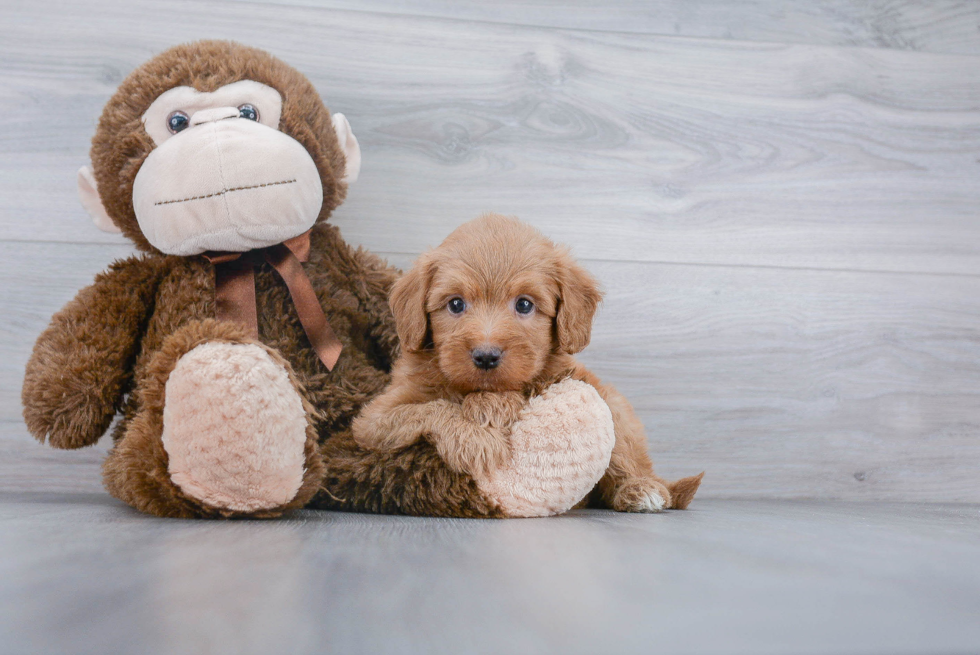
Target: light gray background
[781, 199]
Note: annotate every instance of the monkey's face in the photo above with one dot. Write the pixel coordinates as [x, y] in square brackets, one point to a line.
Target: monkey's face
[216, 147]
[222, 175]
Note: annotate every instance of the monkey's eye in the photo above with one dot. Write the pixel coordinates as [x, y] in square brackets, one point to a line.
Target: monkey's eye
[177, 121]
[456, 306]
[524, 306]
[249, 112]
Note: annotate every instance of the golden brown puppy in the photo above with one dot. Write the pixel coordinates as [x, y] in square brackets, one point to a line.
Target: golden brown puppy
[486, 320]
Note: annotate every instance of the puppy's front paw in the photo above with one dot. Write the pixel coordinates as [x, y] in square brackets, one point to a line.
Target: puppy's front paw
[493, 409]
[478, 451]
[370, 436]
[641, 495]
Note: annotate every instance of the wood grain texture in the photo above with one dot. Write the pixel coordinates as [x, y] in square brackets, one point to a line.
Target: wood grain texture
[780, 383]
[37, 279]
[950, 26]
[799, 383]
[84, 574]
[26, 465]
[787, 233]
[634, 147]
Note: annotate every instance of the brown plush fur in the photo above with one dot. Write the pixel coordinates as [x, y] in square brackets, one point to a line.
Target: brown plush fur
[413, 481]
[113, 347]
[439, 393]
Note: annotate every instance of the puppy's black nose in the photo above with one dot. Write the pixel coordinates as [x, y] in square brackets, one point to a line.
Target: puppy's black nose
[486, 358]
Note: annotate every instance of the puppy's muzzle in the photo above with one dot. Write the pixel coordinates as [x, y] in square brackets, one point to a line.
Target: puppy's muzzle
[486, 358]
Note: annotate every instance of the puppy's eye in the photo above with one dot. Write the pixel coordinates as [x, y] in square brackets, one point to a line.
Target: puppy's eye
[456, 306]
[524, 306]
[177, 121]
[249, 112]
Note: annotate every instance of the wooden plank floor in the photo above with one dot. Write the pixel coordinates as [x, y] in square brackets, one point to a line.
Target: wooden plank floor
[84, 574]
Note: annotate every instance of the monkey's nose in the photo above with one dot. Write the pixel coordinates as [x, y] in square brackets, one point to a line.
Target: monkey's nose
[486, 358]
[213, 115]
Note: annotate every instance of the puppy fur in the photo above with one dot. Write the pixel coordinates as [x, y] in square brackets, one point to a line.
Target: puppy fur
[497, 285]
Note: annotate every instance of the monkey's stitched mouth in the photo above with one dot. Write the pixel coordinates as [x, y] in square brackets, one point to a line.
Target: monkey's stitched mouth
[225, 191]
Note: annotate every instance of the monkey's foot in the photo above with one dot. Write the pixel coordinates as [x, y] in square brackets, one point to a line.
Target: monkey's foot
[560, 448]
[234, 428]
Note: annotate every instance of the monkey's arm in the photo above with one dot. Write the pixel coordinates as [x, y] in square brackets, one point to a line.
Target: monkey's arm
[81, 364]
[391, 421]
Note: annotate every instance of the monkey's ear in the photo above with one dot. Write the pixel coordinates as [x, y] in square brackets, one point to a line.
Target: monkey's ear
[348, 143]
[88, 193]
[579, 298]
[407, 302]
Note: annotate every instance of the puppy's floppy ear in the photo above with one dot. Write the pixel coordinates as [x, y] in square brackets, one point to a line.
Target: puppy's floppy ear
[578, 298]
[407, 301]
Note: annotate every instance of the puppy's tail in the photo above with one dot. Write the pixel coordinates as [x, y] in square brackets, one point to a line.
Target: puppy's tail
[682, 491]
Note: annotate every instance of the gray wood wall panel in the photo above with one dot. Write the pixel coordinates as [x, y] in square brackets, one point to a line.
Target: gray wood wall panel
[26, 465]
[951, 26]
[633, 147]
[788, 234]
[779, 382]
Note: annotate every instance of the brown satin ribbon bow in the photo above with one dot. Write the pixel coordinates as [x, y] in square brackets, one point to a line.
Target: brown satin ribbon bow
[234, 291]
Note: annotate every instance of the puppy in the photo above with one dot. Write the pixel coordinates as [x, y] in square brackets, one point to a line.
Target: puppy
[486, 320]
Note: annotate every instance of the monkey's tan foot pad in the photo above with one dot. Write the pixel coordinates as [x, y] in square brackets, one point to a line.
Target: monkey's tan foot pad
[560, 448]
[234, 428]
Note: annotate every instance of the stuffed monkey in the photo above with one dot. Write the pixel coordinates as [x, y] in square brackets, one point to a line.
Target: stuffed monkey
[238, 347]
